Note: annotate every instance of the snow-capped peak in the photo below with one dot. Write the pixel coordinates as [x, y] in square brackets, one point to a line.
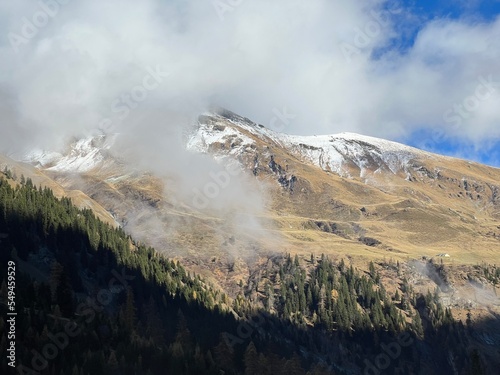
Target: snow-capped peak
[83, 155]
[338, 153]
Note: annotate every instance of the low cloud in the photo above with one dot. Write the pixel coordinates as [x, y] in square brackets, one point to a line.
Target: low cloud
[70, 67]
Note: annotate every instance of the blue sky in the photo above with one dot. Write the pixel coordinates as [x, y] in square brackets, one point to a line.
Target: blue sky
[425, 11]
[488, 153]
[476, 12]
[485, 9]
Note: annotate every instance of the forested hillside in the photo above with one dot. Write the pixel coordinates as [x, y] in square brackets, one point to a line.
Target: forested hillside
[89, 300]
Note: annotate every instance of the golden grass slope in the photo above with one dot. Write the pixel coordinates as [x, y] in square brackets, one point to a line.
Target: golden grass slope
[445, 206]
[437, 205]
[39, 178]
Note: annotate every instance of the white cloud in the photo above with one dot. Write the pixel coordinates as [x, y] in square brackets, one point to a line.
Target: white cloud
[261, 56]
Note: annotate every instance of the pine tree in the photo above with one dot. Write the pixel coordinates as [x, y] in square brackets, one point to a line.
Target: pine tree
[183, 334]
[129, 310]
[224, 354]
[64, 294]
[293, 367]
[417, 324]
[112, 362]
[251, 360]
[476, 367]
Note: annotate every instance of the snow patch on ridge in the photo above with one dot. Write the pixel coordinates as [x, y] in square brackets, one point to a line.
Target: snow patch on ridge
[84, 155]
[232, 141]
[338, 153]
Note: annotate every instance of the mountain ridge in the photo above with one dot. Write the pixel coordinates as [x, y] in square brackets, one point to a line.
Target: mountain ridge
[406, 199]
[425, 206]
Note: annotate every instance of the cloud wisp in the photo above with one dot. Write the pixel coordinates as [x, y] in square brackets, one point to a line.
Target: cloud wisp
[69, 67]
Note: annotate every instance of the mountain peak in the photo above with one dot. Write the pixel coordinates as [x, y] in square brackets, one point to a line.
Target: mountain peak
[227, 134]
[81, 155]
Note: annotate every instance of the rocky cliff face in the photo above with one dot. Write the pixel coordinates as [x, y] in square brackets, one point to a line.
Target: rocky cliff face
[357, 178]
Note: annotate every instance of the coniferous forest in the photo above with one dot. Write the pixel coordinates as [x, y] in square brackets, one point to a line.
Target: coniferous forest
[89, 300]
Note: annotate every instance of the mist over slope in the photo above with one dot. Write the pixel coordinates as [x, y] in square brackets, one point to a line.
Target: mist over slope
[305, 192]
